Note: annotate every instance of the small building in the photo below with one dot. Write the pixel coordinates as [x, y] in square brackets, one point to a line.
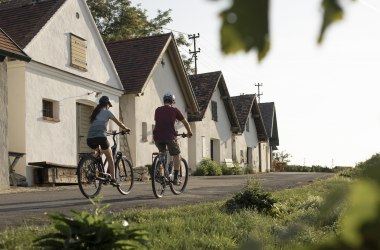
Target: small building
[149, 67]
[50, 98]
[251, 141]
[216, 122]
[268, 112]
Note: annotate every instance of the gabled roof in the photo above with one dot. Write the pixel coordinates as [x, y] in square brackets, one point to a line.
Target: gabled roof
[268, 112]
[244, 105]
[9, 48]
[136, 59]
[23, 19]
[204, 86]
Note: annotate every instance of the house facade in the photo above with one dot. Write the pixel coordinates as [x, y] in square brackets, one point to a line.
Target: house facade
[150, 67]
[51, 98]
[216, 122]
[268, 111]
[8, 50]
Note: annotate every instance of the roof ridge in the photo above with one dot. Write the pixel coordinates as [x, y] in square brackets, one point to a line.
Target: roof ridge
[139, 38]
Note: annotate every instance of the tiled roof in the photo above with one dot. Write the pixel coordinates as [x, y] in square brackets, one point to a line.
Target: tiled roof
[9, 48]
[135, 59]
[23, 19]
[203, 87]
[268, 112]
[244, 105]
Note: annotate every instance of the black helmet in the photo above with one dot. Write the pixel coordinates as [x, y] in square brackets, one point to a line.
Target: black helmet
[169, 98]
[104, 99]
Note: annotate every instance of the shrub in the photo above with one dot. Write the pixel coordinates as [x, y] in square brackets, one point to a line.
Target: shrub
[252, 197]
[208, 167]
[91, 231]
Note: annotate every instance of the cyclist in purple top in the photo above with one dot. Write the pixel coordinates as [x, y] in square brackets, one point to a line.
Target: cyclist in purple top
[164, 133]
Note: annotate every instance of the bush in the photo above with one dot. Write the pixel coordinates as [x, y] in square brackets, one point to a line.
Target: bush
[208, 167]
[252, 197]
[235, 170]
[91, 231]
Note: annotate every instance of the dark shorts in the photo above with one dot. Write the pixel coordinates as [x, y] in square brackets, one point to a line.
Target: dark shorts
[173, 147]
[94, 143]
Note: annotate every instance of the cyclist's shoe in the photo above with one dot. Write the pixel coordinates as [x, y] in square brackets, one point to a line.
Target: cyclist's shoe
[114, 183]
[176, 182]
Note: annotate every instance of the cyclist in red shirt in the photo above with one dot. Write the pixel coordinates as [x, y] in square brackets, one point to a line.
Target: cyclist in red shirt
[164, 133]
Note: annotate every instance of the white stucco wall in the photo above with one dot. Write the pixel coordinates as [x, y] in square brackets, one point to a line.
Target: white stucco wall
[245, 140]
[42, 140]
[207, 129]
[139, 109]
[51, 45]
[4, 169]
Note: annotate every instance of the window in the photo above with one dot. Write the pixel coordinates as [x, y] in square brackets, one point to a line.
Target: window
[214, 111]
[247, 126]
[144, 132]
[50, 110]
[78, 47]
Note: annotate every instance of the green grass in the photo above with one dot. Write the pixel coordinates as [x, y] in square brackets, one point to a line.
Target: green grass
[295, 222]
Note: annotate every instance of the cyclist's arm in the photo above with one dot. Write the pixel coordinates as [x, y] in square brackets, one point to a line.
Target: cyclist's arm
[120, 124]
[187, 126]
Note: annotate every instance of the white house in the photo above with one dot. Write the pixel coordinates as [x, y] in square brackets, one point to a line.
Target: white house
[51, 97]
[251, 142]
[268, 112]
[9, 50]
[148, 68]
[217, 121]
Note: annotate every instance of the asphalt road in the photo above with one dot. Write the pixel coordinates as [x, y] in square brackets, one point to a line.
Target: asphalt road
[24, 208]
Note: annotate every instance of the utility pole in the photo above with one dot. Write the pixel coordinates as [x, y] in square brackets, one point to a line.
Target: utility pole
[258, 85]
[195, 51]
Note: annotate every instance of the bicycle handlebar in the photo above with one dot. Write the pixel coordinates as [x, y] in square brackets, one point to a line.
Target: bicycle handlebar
[117, 133]
[184, 135]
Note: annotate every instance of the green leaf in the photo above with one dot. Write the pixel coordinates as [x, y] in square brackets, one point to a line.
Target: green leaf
[245, 26]
[332, 12]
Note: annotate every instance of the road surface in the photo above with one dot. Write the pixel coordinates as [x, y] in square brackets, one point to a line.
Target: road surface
[28, 207]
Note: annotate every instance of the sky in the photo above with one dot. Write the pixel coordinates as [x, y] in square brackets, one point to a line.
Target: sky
[326, 96]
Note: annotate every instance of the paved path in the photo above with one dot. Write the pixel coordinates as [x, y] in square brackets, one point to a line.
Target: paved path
[29, 207]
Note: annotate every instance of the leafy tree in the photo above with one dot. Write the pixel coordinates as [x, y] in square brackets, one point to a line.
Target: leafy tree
[245, 25]
[119, 20]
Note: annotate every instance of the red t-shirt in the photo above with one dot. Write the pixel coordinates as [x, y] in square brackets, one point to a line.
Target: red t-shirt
[165, 117]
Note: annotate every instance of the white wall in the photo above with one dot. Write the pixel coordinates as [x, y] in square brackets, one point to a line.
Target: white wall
[42, 140]
[209, 129]
[248, 139]
[139, 109]
[51, 45]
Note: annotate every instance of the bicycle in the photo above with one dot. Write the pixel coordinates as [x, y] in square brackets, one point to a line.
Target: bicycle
[162, 174]
[91, 172]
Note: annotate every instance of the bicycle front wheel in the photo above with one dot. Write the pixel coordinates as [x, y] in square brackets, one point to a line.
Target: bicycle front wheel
[158, 178]
[88, 183]
[124, 175]
[183, 177]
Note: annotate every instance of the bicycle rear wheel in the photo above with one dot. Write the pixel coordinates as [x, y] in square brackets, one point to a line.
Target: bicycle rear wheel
[158, 179]
[88, 183]
[124, 175]
[183, 177]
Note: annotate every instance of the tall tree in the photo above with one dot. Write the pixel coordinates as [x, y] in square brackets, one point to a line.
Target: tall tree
[119, 20]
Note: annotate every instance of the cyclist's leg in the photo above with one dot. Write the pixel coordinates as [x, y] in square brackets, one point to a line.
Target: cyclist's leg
[111, 164]
[175, 151]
